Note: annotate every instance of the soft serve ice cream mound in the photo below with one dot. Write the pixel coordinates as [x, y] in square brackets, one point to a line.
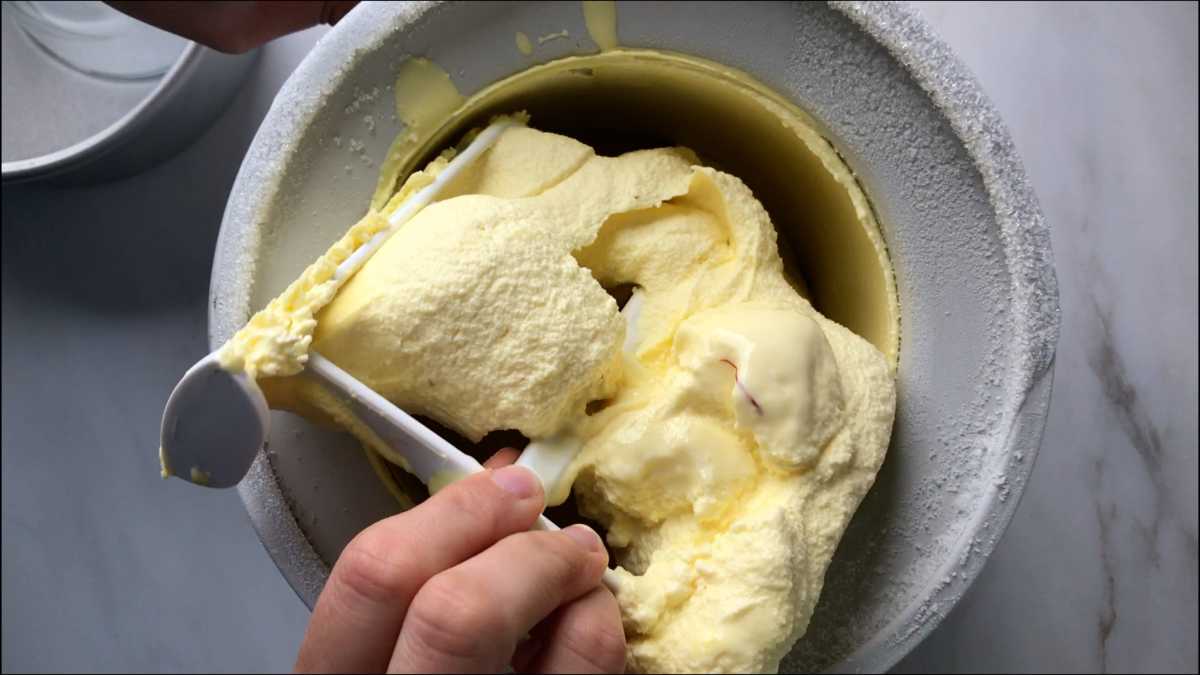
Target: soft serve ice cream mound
[728, 429]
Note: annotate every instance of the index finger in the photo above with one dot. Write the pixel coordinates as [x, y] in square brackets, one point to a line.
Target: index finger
[359, 613]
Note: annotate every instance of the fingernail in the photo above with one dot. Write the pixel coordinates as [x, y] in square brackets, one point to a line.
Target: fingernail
[585, 537]
[517, 481]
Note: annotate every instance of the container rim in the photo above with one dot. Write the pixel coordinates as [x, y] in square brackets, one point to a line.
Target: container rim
[108, 138]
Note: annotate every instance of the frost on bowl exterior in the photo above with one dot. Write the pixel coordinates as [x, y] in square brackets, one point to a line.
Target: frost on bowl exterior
[971, 256]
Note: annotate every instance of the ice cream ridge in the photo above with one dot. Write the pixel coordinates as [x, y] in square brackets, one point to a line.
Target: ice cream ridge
[728, 432]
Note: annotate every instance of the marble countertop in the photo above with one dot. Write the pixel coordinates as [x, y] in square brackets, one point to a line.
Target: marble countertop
[107, 567]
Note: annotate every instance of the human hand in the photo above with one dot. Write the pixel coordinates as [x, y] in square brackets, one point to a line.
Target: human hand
[456, 583]
[238, 26]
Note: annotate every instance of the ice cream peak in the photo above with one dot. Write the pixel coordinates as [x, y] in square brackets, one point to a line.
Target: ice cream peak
[733, 429]
[785, 387]
[475, 313]
[747, 430]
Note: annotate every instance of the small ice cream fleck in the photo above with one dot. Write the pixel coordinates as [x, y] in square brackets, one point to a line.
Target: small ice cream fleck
[523, 44]
[199, 476]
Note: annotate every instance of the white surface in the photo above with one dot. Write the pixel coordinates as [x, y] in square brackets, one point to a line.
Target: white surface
[1098, 570]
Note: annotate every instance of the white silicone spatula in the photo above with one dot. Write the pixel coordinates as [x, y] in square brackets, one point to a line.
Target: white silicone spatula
[215, 421]
[430, 457]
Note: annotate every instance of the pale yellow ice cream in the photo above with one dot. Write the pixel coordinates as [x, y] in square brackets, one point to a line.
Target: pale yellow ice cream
[475, 313]
[728, 472]
[732, 432]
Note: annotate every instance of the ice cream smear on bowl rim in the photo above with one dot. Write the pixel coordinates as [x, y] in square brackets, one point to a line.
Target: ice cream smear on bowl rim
[723, 438]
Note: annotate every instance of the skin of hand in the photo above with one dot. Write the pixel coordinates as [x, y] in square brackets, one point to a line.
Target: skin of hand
[460, 584]
[234, 27]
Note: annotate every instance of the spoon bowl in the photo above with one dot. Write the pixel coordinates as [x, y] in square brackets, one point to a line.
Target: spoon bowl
[216, 421]
[214, 424]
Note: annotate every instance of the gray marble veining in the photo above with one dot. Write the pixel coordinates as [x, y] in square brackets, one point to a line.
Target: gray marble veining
[1098, 570]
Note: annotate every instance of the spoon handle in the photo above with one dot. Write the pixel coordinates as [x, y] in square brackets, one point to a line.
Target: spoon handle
[415, 447]
[486, 139]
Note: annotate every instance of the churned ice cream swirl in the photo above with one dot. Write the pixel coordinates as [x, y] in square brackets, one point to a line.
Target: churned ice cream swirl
[732, 429]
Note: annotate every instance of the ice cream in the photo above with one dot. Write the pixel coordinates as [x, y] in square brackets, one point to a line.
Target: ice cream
[730, 461]
[728, 474]
[727, 436]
